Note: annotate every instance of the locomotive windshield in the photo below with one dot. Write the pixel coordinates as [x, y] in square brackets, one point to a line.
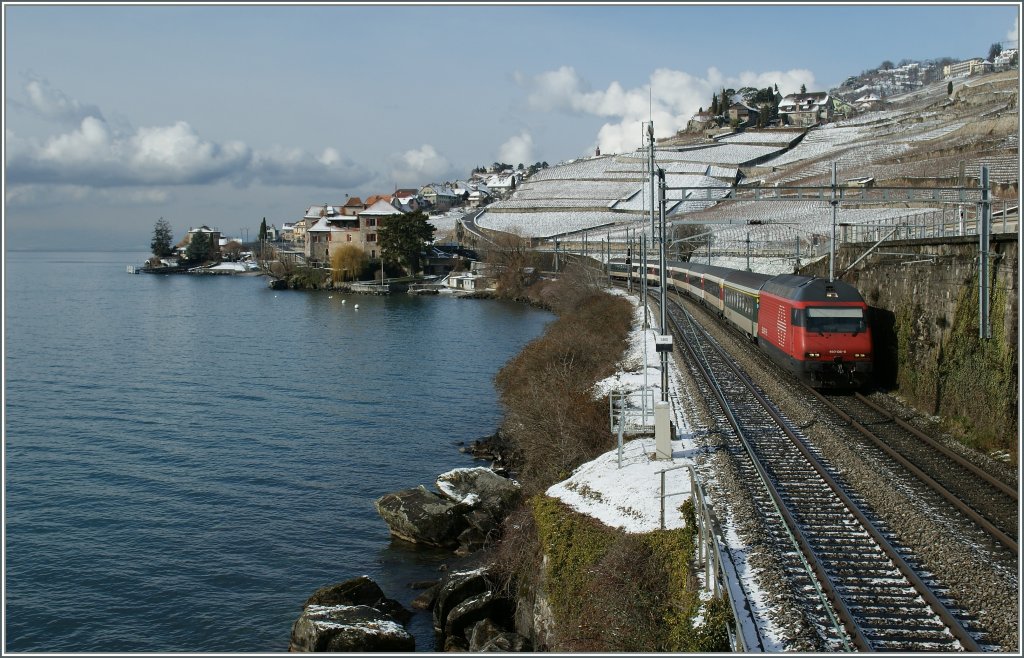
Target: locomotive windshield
[836, 320]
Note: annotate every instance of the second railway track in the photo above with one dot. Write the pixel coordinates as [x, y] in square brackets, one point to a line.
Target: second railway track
[873, 591]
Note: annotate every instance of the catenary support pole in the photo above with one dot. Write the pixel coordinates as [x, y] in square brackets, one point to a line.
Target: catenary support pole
[663, 283]
[984, 227]
[832, 248]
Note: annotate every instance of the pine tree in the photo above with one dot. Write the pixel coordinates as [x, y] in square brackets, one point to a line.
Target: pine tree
[199, 246]
[161, 244]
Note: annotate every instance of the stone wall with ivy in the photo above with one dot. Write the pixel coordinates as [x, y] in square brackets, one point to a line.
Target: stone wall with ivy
[924, 296]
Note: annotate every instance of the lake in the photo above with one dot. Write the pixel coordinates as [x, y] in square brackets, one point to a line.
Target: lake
[189, 457]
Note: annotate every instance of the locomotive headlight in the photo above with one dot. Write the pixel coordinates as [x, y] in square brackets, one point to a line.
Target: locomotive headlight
[860, 356]
[813, 355]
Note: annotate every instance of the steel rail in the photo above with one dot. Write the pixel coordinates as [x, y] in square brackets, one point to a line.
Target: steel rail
[809, 558]
[946, 495]
[939, 608]
[973, 468]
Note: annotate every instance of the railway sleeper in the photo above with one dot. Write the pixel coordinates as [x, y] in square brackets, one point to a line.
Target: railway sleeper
[882, 616]
[871, 577]
[886, 597]
[899, 645]
[903, 635]
[837, 556]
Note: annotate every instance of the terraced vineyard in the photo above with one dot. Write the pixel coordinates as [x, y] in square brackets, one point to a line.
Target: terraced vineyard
[924, 139]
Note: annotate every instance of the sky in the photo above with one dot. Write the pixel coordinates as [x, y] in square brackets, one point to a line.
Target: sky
[118, 115]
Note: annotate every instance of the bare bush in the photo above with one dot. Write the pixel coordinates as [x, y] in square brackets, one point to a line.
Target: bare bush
[551, 418]
[510, 258]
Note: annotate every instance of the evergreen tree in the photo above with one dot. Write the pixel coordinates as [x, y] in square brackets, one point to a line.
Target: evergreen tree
[263, 230]
[403, 237]
[199, 246]
[803, 89]
[161, 244]
[949, 88]
[993, 51]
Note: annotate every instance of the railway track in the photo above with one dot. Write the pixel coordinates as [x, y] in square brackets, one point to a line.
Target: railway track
[988, 502]
[864, 593]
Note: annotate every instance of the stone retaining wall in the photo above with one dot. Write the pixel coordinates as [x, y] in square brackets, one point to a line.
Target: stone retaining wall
[925, 320]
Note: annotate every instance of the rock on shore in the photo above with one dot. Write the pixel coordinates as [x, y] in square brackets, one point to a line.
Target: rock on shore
[464, 516]
[470, 614]
[352, 616]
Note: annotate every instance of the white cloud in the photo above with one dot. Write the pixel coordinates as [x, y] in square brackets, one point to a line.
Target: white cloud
[670, 99]
[52, 104]
[517, 149]
[418, 167]
[94, 154]
[1013, 35]
[293, 166]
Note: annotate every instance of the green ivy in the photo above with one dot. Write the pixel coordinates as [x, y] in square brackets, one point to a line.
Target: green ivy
[975, 374]
[575, 545]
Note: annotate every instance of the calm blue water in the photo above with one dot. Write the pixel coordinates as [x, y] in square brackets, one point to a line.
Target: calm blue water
[189, 458]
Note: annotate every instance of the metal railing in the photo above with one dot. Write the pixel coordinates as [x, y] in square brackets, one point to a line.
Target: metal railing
[949, 221]
[720, 574]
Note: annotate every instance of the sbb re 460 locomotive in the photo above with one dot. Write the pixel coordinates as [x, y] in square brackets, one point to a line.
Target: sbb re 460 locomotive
[816, 329]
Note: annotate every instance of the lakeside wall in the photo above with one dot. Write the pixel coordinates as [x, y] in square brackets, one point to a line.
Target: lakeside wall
[926, 323]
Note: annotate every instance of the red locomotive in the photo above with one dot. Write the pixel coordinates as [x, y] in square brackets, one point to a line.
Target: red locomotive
[816, 329]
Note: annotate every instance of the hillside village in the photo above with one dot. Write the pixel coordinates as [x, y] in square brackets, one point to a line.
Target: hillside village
[918, 123]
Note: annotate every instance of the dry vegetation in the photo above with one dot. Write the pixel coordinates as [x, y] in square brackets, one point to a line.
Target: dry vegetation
[552, 423]
[608, 590]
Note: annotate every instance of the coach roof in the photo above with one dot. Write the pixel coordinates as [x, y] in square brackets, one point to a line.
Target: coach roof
[811, 289]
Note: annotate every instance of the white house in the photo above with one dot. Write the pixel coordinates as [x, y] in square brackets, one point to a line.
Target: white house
[806, 109]
[441, 197]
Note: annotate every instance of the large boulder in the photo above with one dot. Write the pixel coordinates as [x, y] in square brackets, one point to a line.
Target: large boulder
[345, 628]
[456, 588]
[423, 517]
[488, 605]
[361, 591]
[480, 488]
[486, 636]
[425, 601]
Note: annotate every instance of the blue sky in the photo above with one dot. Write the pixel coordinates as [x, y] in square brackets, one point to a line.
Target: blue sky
[222, 115]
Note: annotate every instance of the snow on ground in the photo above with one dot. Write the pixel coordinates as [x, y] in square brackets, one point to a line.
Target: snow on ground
[626, 493]
[623, 489]
[446, 221]
[547, 224]
[233, 267]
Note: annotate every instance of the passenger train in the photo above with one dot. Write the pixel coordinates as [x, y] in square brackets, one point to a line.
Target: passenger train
[816, 329]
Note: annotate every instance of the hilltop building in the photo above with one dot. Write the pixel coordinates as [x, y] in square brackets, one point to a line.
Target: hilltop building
[967, 68]
[806, 109]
